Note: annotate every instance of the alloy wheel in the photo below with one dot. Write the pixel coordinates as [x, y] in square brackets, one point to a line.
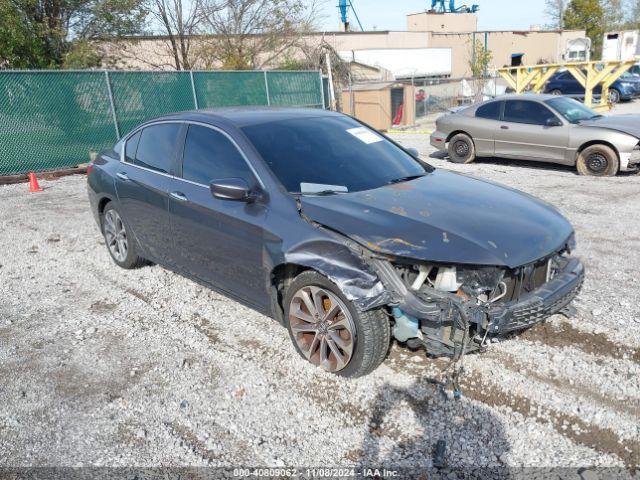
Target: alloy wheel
[614, 96]
[116, 235]
[322, 328]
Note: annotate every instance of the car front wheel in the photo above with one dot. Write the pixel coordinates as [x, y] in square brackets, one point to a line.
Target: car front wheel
[598, 161]
[461, 149]
[120, 245]
[328, 331]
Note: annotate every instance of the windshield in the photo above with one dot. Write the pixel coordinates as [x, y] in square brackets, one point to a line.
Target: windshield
[572, 110]
[330, 154]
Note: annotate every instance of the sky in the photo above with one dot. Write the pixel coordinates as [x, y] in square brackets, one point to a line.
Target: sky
[390, 14]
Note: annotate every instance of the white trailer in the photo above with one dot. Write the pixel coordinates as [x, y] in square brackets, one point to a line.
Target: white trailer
[622, 45]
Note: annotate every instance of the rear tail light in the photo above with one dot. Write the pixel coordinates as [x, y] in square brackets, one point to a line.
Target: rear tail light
[89, 168]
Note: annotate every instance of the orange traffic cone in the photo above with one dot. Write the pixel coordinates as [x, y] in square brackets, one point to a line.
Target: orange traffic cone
[33, 183]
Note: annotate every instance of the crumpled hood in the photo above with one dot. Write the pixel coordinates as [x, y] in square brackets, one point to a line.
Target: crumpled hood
[446, 217]
[629, 124]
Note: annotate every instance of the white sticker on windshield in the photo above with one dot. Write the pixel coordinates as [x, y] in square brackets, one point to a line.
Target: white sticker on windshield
[364, 135]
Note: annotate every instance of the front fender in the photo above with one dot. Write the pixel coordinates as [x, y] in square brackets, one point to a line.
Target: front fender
[344, 267]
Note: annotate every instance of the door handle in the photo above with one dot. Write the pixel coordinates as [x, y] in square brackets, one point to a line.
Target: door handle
[181, 197]
[504, 127]
[122, 176]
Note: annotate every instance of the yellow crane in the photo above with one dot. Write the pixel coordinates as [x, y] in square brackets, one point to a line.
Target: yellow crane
[588, 74]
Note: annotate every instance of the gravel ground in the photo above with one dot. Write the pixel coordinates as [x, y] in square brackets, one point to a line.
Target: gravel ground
[101, 366]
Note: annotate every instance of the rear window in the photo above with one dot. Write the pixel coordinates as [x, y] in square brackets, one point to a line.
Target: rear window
[489, 111]
[157, 147]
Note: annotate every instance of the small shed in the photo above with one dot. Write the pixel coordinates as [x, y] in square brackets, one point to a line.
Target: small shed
[382, 105]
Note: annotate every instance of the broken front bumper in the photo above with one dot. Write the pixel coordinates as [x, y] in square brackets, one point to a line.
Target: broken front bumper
[437, 321]
[535, 306]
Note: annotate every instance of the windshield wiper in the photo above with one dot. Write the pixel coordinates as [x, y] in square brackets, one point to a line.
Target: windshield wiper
[405, 179]
[324, 192]
[319, 193]
[596, 116]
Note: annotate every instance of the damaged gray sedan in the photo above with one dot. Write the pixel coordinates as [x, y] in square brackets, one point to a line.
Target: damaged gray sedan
[334, 230]
[544, 128]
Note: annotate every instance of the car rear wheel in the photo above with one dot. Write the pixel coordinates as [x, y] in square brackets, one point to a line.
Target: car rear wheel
[461, 149]
[598, 161]
[614, 96]
[120, 245]
[328, 331]
[556, 92]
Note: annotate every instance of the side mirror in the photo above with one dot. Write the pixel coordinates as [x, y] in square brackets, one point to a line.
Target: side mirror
[553, 122]
[413, 152]
[231, 189]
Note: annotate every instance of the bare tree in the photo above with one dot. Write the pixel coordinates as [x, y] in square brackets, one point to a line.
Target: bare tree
[179, 21]
[250, 34]
[614, 14]
[554, 10]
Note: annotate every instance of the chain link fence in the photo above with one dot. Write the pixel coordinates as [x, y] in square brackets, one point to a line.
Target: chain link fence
[433, 96]
[56, 119]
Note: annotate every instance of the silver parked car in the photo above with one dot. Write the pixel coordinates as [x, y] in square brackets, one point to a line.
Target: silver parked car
[545, 128]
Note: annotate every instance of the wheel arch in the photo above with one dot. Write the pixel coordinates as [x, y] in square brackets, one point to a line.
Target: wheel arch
[456, 132]
[280, 278]
[591, 143]
[102, 204]
[335, 261]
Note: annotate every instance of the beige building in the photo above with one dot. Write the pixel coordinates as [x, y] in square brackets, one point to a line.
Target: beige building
[442, 22]
[456, 31]
[535, 46]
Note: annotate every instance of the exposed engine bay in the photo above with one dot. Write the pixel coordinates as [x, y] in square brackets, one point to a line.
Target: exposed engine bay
[448, 308]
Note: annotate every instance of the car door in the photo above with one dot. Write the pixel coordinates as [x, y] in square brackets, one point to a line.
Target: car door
[568, 84]
[142, 185]
[524, 132]
[487, 118]
[218, 241]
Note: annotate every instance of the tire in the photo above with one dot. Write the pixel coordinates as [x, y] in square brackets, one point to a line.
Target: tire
[614, 96]
[114, 229]
[598, 161]
[364, 337]
[555, 92]
[461, 149]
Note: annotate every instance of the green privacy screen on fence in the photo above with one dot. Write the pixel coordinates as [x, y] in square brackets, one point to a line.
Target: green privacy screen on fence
[54, 119]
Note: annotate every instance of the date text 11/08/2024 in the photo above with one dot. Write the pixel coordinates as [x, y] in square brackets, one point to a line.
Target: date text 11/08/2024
[315, 472]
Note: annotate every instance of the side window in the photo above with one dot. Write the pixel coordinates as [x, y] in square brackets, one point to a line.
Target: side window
[489, 110]
[130, 149]
[117, 148]
[524, 111]
[157, 146]
[208, 155]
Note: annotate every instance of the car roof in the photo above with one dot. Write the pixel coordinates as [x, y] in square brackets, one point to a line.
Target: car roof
[526, 96]
[245, 116]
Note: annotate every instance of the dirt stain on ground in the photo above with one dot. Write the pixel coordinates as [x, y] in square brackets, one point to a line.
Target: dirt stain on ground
[191, 441]
[601, 439]
[139, 295]
[563, 334]
[102, 306]
[204, 326]
[576, 429]
[630, 406]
